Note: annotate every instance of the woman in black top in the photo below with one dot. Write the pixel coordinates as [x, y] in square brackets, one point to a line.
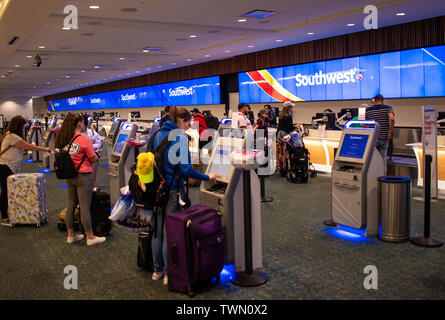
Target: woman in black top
[285, 126]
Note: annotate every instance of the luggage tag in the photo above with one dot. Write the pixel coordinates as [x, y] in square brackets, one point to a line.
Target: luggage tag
[180, 201]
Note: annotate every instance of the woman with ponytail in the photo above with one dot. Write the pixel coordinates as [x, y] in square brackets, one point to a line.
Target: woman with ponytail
[177, 167]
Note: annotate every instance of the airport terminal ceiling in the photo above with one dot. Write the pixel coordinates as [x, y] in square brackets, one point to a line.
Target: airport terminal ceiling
[118, 41]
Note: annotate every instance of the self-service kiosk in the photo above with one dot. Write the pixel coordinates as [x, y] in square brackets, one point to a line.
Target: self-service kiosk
[54, 125]
[121, 160]
[357, 166]
[155, 127]
[226, 197]
[112, 135]
[35, 137]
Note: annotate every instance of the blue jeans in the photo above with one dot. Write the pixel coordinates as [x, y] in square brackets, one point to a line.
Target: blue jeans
[382, 147]
[159, 243]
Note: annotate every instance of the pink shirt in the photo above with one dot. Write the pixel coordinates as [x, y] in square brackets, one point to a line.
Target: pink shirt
[82, 147]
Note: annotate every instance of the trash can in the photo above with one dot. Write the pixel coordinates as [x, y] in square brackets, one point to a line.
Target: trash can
[395, 208]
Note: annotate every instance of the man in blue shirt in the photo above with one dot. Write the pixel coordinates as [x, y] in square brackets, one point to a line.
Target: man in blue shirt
[384, 115]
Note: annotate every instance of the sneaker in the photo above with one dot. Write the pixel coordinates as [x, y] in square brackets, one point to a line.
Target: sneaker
[76, 238]
[165, 281]
[97, 240]
[6, 224]
[157, 276]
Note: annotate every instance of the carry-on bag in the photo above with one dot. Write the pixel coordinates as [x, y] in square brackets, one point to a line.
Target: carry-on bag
[61, 224]
[27, 199]
[145, 256]
[100, 213]
[196, 248]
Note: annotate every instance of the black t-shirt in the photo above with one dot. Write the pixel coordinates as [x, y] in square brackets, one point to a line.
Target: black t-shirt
[145, 199]
[286, 124]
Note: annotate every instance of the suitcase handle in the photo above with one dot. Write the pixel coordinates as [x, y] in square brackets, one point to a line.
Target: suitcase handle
[174, 254]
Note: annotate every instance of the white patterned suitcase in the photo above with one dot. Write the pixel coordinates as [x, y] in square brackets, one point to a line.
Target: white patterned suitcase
[27, 199]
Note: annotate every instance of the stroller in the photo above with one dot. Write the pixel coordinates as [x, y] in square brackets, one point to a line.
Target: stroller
[298, 163]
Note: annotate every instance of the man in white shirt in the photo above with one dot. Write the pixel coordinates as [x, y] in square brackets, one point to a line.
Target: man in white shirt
[243, 121]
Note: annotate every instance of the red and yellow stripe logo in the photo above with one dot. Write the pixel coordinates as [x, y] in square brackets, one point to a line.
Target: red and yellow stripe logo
[271, 86]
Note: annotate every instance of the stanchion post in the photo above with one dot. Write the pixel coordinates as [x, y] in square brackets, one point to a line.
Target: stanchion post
[426, 241]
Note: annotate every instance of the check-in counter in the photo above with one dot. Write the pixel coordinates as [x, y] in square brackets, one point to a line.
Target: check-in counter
[418, 151]
[322, 148]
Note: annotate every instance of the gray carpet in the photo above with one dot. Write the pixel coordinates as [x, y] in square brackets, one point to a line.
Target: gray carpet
[303, 258]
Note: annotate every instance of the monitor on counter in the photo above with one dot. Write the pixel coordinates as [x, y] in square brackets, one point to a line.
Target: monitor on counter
[350, 112]
[353, 147]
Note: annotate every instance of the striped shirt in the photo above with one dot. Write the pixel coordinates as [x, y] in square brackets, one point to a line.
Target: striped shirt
[380, 113]
[14, 156]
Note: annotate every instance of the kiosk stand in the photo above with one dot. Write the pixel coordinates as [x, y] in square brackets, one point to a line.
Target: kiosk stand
[247, 224]
[121, 160]
[357, 166]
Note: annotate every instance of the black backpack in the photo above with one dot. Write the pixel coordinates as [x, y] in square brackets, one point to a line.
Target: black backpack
[63, 164]
[211, 121]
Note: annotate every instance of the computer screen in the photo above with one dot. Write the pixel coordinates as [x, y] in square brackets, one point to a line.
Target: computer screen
[354, 146]
[221, 161]
[120, 143]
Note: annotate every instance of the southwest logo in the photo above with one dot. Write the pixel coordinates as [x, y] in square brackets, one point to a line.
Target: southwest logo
[321, 78]
[181, 91]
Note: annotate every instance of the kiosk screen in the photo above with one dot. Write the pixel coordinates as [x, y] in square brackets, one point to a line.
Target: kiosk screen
[120, 143]
[221, 161]
[354, 146]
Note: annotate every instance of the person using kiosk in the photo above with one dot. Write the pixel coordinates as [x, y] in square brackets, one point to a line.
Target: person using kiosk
[174, 175]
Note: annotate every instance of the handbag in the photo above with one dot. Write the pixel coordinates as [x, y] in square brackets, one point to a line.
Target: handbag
[63, 164]
[123, 208]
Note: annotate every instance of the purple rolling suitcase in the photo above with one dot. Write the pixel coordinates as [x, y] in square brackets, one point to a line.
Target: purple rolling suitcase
[196, 248]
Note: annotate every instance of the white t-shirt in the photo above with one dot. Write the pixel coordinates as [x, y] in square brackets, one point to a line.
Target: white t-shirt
[14, 156]
[243, 121]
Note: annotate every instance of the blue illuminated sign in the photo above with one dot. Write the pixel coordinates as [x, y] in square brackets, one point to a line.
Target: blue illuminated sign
[402, 74]
[201, 91]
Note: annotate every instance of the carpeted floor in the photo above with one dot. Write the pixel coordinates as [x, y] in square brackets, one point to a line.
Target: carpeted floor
[303, 258]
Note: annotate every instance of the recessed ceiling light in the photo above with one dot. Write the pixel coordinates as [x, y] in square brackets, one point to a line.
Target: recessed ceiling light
[96, 67]
[42, 47]
[250, 46]
[138, 72]
[29, 57]
[66, 28]
[259, 14]
[148, 69]
[34, 87]
[193, 36]
[207, 55]
[3, 76]
[145, 50]
[82, 71]
[48, 83]
[350, 24]
[173, 63]
[189, 60]
[128, 74]
[17, 66]
[401, 14]
[121, 58]
[310, 33]
[94, 7]
[278, 40]
[159, 66]
[67, 76]
[227, 51]
[242, 20]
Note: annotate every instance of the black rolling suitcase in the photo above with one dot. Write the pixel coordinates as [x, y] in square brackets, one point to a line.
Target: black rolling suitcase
[299, 165]
[145, 256]
[100, 213]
